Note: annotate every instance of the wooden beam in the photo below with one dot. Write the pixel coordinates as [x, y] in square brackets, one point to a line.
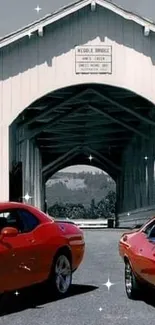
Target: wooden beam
[105, 149]
[71, 144]
[106, 168]
[61, 158]
[60, 138]
[100, 131]
[58, 129]
[124, 108]
[57, 165]
[60, 145]
[99, 164]
[127, 126]
[95, 121]
[41, 107]
[112, 164]
[71, 138]
[48, 148]
[31, 134]
[83, 119]
[49, 110]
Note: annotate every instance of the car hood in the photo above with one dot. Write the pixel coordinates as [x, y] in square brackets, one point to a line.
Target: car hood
[128, 235]
[131, 232]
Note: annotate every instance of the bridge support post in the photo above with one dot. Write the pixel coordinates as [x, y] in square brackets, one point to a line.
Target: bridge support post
[43, 195]
[117, 205]
[37, 178]
[4, 162]
[32, 172]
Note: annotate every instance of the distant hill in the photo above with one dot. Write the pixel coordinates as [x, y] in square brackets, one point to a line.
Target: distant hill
[78, 188]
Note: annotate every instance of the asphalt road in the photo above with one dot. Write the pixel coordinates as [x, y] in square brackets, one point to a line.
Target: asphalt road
[90, 302]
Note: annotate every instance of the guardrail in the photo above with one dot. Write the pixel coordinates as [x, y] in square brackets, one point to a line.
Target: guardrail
[135, 217]
[91, 224]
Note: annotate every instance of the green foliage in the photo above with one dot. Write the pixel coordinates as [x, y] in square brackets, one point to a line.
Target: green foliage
[104, 209]
[70, 211]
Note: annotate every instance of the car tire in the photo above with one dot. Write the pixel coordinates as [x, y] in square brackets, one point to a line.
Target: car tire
[61, 275]
[132, 285]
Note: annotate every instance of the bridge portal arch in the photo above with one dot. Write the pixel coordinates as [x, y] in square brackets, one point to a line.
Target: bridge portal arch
[110, 124]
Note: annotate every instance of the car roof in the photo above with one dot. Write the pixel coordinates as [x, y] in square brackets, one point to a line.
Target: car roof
[8, 205]
[19, 205]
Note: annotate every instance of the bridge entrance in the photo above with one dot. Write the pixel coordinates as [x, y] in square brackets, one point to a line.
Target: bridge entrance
[112, 125]
[81, 193]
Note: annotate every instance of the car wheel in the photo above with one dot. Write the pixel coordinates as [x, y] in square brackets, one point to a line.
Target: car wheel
[131, 283]
[61, 275]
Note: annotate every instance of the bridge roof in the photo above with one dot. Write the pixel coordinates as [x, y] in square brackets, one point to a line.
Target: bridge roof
[68, 10]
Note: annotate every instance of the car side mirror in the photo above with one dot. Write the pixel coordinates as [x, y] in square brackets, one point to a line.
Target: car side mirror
[9, 232]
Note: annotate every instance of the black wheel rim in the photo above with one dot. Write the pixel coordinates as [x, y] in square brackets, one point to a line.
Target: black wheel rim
[128, 279]
[63, 274]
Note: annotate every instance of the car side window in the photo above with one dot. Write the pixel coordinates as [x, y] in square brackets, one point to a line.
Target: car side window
[151, 234]
[3, 219]
[10, 219]
[29, 221]
[147, 229]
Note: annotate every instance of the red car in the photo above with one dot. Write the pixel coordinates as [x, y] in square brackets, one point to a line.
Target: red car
[137, 248]
[35, 248]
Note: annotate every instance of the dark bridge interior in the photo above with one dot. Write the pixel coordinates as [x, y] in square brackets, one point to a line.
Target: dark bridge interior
[98, 120]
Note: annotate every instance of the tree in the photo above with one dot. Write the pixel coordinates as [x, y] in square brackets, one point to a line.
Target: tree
[106, 207]
[69, 210]
[110, 201]
[57, 211]
[101, 211]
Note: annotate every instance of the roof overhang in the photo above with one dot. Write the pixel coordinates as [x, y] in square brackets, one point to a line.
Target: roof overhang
[38, 26]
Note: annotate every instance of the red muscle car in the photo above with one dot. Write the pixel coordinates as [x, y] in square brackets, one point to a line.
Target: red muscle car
[35, 248]
[137, 248]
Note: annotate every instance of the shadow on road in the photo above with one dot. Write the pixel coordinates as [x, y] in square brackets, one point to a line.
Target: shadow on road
[36, 297]
[147, 296]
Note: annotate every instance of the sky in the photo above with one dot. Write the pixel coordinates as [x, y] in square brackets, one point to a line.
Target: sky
[15, 14]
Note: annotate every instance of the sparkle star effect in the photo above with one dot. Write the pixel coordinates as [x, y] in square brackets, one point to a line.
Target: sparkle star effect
[38, 9]
[90, 158]
[100, 309]
[108, 284]
[146, 158]
[27, 197]
[16, 293]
